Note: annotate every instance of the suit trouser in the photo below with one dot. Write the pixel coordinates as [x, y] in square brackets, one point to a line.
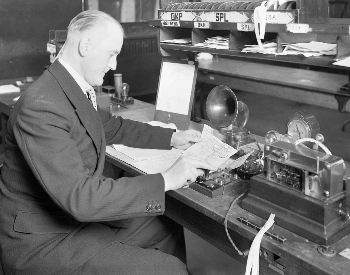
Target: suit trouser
[147, 246]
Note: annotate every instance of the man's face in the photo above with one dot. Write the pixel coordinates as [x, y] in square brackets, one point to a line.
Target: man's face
[101, 57]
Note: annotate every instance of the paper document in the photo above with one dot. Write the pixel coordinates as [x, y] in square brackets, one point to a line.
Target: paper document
[216, 42]
[313, 48]
[142, 154]
[235, 163]
[211, 149]
[153, 165]
[175, 87]
[158, 164]
[4, 89]
[152, 161]
[344, 62]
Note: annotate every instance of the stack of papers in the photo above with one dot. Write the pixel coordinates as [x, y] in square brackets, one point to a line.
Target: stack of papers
[181, 41]
[267, 48]
[343, 62]
[211, 149]
[4, 89]
[313, 48]
[152, 161]
[216, 42]
[149, 161]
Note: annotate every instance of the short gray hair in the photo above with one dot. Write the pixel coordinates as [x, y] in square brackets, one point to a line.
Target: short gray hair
[90, 19]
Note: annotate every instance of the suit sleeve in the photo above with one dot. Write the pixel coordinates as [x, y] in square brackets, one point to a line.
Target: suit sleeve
[55, 145]
[133, 133]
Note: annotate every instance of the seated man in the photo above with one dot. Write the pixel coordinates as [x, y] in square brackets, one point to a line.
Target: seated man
[58, 214]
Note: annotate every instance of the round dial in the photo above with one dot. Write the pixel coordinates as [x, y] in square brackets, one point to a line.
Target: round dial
[298, 129]
[302, 125]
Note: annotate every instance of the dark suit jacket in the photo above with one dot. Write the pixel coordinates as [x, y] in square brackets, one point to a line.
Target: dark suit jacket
[54, 204]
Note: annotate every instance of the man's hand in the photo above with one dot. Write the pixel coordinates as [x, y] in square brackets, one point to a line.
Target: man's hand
[184, 139]
[184, 171]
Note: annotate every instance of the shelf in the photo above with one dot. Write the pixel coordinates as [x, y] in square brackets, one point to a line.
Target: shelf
[338, 28]
[321, 61]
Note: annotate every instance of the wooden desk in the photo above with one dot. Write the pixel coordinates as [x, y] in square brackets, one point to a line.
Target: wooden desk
[205, 216]
[306, 86]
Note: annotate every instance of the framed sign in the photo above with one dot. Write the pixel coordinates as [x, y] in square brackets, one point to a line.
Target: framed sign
[175, 92]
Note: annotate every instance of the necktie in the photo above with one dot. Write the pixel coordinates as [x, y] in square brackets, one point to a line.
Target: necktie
[91, 95]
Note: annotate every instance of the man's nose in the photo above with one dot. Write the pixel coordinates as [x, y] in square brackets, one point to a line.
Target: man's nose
[112, 64]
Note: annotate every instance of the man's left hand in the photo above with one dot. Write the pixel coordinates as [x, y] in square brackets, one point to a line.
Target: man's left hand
[184, 139]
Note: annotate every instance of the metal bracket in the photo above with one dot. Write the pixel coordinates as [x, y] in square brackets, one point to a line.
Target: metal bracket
[343, 97]
[328, 251]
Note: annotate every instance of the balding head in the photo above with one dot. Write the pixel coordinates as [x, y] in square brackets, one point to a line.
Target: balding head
[94, 40]
[90, 20]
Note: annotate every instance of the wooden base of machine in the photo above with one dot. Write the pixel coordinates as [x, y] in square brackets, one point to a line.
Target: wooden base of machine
[316, 220]
[216, 190]
[125, 101]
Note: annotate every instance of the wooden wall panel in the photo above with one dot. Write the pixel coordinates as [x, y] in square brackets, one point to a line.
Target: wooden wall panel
[24, 32]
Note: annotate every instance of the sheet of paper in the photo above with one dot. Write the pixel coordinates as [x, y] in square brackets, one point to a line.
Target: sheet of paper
[344, 62]
[149, 166]
[345, 253]
[211, 149]
[158, 164]
[175, 87]
[235, 163]
[141, 154]
[4, 89]
[162, 124]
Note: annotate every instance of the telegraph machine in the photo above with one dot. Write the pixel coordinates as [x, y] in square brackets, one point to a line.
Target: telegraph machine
[305, 188]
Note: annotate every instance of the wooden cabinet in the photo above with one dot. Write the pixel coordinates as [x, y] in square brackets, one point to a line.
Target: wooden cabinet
[299, 21]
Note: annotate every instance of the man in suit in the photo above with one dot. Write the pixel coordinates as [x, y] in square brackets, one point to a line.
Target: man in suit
[58, 214]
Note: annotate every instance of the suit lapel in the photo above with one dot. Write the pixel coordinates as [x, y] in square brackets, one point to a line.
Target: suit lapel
[88, 116]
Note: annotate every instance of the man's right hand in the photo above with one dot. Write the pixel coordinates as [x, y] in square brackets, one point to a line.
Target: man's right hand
[184, 171]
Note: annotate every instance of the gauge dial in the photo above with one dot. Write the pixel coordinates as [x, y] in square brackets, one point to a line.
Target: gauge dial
[298, 129]
[302, 125]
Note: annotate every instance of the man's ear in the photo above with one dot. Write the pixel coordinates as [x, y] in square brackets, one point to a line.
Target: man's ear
[84, 46]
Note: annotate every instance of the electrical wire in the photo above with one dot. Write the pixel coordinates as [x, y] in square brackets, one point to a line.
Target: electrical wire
[225, 223]
[325, 149]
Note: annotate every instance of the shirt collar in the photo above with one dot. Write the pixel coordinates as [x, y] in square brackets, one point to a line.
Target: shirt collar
[77, 77]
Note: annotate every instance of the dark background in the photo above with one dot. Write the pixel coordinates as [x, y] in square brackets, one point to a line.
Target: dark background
[24, 32]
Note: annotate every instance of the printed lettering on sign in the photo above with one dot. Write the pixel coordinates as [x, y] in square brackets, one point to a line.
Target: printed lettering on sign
[201, 25]
[175, 15]
[298, 28]
[171, 23]
[220, 17]
[246, 27]
[271, 18]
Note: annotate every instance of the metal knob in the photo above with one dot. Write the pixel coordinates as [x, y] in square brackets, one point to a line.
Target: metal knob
[343, 214]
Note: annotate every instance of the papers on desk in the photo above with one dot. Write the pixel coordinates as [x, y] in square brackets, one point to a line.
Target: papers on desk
[152, 161]
[344, 62]
[266, 48]
[149, 161]
[211, 149]
[216, 42]
[4, 89]
[138, 154]
[180, 41]
[313, 48]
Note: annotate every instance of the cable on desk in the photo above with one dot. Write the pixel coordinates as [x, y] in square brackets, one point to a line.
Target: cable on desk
[225, 223]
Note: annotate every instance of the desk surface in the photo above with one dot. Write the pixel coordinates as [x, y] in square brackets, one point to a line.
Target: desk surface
[205, 217]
